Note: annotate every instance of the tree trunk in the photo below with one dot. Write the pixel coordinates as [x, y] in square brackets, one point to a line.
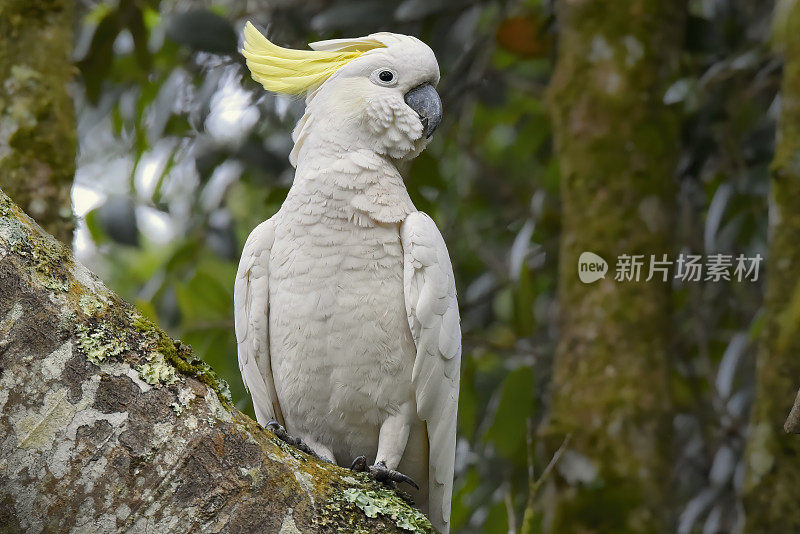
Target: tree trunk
[37, 119]
[617, 144]
[108, 425]
[773, 457]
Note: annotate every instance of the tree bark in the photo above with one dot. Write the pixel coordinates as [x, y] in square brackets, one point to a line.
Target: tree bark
[108, 425]
[773, 457]
[617, 144]
[37, 119]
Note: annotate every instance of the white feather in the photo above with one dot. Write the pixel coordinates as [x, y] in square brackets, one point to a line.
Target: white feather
[434, 322]
[251, 313]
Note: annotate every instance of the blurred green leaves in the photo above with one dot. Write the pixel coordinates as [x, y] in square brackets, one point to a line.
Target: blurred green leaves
[507, 431]
[203, 31]
[110, 21]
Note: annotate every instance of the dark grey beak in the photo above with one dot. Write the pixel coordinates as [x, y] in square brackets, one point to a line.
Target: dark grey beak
[426, 102]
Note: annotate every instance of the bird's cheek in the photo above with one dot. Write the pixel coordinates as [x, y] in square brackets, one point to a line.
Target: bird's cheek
[378, 115]
[393, 128]
[347, 101]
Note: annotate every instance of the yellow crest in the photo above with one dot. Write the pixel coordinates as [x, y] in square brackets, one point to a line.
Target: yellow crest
[284, 70]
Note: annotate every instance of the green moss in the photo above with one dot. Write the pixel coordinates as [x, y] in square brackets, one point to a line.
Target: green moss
[180, 356]
[773, 470]
[336, 516]
[37, 123]
[346, 502]
[339, 514]
[185, 397]
[102, 330]
[288, 449]
[157, 371]
[48, 259]
[6, 206]
[90, 305]
[388, 504]
[100, 336]
[99, 342]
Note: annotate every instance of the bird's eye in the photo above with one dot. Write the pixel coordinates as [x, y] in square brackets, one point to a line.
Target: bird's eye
[384, 76]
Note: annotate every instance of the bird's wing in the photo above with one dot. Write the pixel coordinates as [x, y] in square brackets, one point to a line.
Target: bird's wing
[251, 315]
[430, 297]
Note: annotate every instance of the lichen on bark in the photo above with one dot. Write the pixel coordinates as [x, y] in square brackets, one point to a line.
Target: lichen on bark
[617, 146]
[93, 438]
[772, 455]
[37, 122]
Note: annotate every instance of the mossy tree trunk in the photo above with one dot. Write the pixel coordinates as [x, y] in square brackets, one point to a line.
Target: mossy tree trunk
[617, 145]
[773, 456]
[108, 425]
[37, 119]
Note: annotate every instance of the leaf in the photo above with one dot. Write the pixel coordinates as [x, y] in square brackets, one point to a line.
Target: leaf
[695, 509]
[204, 31]
[204, 298]
[520, 249]
[117, 217]
[183, 257]
[497, 520]
[722, 467]
[467, 399]
[94, 226]
[524, 296]
[730, 362]
[96, 65]
[138, 29]
[465, 485]
[715, 213]
[508, 429]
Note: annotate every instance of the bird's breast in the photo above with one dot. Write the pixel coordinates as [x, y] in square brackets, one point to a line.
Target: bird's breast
[340, 344]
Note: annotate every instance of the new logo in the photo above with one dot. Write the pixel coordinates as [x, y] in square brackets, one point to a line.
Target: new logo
[591, 267]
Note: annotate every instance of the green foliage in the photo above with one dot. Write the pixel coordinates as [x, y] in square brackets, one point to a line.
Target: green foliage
[507, 430]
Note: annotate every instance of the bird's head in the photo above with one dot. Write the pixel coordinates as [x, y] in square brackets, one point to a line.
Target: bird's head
[375, 92]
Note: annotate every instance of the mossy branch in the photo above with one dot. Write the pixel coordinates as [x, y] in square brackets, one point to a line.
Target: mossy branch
[107, 421]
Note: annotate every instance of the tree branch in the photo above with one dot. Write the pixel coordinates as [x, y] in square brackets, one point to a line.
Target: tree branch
[106, 421]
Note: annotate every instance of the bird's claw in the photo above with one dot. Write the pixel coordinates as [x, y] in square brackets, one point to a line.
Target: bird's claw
[359, 464]
[381, 473]
[276, 428]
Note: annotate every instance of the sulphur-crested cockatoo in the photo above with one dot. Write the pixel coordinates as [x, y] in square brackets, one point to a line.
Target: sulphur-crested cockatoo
[346, 314]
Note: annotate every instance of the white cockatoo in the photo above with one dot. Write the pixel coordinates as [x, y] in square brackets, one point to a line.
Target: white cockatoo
[345, 304]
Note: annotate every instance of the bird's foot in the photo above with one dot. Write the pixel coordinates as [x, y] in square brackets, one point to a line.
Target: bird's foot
[380, 472]
[284, 436]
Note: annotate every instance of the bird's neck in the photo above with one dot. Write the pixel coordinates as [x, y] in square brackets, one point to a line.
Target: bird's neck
[349, 182]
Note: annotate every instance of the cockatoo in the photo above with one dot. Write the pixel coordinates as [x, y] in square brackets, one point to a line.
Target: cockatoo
[345, 302]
